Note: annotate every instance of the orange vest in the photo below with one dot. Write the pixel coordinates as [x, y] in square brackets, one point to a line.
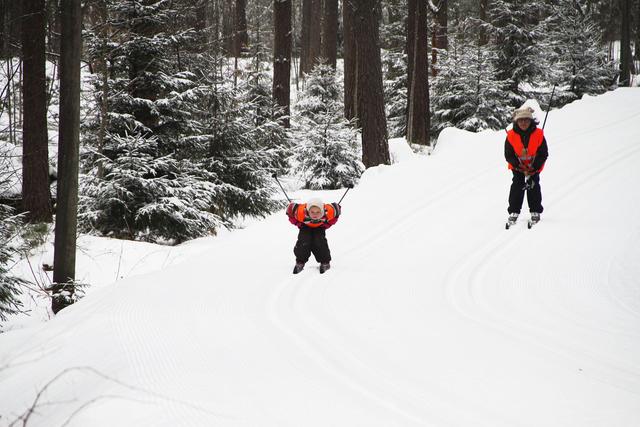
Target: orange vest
[526, 155]
[301, 215]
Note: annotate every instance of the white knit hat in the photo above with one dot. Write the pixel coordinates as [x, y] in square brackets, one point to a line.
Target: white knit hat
[523, 113]
[315, 202]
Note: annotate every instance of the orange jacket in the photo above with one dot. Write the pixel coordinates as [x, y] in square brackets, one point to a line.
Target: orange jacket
[299, 216]
[526, 155]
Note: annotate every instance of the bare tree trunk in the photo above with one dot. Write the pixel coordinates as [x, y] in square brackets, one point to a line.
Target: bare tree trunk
[411, 42]
[484, 8]
[636, 54]
[64, 264]
[315, 34]
[305, 39]
[349, 54]
[419, 120]
[371, 114]
[439, 36]
[282, 56]
[228, 18]
[330, 32]
[36, 196]
[241, 39]
[625, 44]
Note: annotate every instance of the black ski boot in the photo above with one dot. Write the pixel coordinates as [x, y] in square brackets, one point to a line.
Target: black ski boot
[535, 218]
[324, 267]
[298, 267]
[513, 217]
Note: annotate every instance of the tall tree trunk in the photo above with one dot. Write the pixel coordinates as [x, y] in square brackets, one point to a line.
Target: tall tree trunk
[305, 37]
[419, 120]
[330, 32]
[371, 114]
[349, 54]
[315, 34]
[637, 34]
[36, 195]
[625, 44]
[228, 18]
[282, 56]
[484, 8]
[411, 42]
[439, 36]
[241, 39]
[64, 264]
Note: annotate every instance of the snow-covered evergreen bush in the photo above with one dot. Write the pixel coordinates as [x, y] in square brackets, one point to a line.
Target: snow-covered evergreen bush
[327, 154]
[395, 92]
[177, 153]
[519, 56]
[9, 285]
[577, 58]
[144, 196]
[466, 93]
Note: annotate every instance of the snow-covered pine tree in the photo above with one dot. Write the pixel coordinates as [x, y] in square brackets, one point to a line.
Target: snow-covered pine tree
[268, 131]
[465, 93]
[178, 156]
[9, 284]
[327, 154]
[394, 65]
[577, 57]
[517, 32]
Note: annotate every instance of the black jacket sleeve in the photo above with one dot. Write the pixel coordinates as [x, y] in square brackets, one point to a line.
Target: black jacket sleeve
[510, 155]
[541, 155]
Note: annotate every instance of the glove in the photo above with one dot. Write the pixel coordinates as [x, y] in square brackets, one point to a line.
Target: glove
[291, 209]
[337, 208]
[527, 170]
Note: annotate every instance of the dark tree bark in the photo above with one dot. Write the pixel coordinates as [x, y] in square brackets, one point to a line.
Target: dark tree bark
[349, 53]
[282, 56]
[305, 37]
[484, 8]
[625, 43]
[36, 195]
[64, 264]
[637, 33]
[370, 111]
[228, 18]
[330, 32]
[419, 120]
[241, 39]
[11, 27]
[439, 38]
[411, 41]
[315, 34]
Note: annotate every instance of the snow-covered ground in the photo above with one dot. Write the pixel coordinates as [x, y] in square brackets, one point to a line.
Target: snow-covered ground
[432, 314]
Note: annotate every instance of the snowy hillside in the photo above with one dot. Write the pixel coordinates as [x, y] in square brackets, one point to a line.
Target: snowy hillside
[432, 314]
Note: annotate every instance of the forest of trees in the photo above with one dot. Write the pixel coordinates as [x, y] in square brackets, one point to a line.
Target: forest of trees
[185, 109]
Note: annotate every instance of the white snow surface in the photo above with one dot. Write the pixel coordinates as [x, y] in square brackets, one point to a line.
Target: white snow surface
[431, 315]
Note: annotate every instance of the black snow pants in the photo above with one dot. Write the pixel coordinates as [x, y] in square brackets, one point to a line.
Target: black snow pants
[312, 240]
[516, 194]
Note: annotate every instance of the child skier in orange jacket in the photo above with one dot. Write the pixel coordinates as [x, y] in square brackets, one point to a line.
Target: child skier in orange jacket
[312, 218]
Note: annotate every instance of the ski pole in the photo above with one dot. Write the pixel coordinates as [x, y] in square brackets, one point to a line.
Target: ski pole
[345, 193]
[549, 106]
[282, 188]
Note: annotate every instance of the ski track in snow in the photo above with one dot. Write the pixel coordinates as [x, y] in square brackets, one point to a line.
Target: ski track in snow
[431, 315]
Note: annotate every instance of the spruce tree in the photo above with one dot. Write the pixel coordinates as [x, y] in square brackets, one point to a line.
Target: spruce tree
[327, 155]
[466, 93]
[9, 284]
[517, 32]
[576, 55]
[181, 154]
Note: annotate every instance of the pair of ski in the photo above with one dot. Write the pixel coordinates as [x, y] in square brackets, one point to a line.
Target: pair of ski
[299, 267]
[530, 223]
